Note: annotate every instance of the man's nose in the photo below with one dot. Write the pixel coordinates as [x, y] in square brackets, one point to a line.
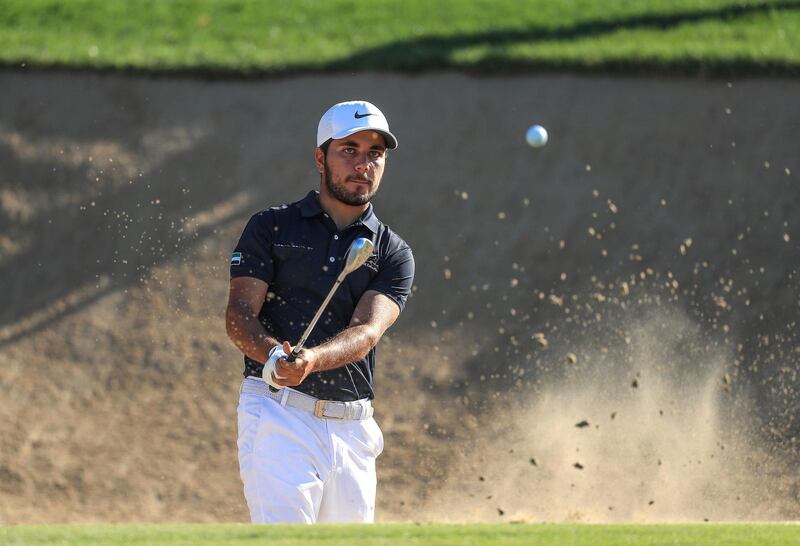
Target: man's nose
[362, 163]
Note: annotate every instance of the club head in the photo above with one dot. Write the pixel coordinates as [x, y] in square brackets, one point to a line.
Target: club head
[357, 254]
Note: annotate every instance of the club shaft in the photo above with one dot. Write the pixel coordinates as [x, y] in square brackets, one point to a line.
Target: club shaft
[314, 320]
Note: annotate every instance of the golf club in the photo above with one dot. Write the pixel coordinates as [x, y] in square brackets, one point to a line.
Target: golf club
[357, 254]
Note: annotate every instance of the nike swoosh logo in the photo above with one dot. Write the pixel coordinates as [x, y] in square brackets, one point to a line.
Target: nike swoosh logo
[359, 116]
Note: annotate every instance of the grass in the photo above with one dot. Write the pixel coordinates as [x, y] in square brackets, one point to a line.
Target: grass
[274, 36]
[405, 534]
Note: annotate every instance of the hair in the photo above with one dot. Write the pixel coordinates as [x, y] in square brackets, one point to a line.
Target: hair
[324, 147]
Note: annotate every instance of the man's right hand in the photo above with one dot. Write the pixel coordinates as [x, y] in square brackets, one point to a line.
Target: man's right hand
[293, 373]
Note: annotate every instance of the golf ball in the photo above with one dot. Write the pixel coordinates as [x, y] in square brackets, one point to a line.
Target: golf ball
[536, 136]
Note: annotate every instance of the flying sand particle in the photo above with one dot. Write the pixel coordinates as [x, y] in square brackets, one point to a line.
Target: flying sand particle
[571, 358]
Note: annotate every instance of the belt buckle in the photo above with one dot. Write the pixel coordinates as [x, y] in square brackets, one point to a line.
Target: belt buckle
[319, 410]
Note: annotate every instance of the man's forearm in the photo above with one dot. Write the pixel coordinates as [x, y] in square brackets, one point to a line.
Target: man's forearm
[348, 346]
[249, 336]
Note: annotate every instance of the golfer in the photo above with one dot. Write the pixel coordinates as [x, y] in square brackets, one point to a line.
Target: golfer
[307, 451]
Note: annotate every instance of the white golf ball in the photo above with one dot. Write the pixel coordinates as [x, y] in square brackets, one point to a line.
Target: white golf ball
[536, 136]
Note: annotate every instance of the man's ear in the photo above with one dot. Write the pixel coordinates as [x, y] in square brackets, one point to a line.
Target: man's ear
[319, 158]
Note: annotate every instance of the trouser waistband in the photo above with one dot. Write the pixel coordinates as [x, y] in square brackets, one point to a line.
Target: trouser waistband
[325, 409]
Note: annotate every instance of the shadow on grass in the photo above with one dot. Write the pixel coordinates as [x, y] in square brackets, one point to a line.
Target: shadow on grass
[435, 51]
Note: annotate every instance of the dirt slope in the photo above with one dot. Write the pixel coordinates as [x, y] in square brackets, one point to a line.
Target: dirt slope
[638, 274]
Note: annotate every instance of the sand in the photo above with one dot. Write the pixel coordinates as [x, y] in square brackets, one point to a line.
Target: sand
[638, 274]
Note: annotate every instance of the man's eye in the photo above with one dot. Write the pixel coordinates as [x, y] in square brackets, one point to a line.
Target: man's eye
[375, 154]
[349, 150]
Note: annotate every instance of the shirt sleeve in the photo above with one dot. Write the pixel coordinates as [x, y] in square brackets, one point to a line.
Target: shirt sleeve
[252, 256]
[395, 276]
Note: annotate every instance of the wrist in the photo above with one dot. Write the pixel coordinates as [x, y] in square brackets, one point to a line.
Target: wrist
[312, 357]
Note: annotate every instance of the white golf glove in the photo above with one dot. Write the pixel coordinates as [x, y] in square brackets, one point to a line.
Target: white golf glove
[275, 354]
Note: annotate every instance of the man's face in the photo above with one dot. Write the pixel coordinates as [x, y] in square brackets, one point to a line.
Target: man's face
[353, 167]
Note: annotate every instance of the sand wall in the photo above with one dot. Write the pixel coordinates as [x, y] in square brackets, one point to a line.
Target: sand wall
[639, 273]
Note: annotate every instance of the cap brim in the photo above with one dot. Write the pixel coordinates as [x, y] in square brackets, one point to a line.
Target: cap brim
[391, 140]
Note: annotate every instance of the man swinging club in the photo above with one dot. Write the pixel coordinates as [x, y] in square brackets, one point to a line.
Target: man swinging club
[307, 440]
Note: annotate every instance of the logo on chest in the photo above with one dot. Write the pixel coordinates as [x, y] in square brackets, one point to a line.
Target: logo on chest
[372, 263]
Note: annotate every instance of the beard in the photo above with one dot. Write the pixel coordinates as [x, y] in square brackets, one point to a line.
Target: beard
[340, 192]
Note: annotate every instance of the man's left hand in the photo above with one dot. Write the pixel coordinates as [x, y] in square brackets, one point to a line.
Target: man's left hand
[294, 373]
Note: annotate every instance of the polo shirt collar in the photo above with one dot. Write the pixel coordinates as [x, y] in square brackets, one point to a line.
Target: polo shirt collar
[310, 206]
[370, 220]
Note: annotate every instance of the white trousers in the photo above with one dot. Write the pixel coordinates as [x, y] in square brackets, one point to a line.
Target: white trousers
[298, 468]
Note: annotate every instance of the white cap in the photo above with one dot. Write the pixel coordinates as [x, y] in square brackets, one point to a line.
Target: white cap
[350, 117]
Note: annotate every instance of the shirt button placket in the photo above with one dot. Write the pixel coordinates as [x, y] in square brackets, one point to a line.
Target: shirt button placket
[333, 251]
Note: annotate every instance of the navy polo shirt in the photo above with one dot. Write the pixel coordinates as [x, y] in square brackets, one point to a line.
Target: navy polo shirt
[297, 250]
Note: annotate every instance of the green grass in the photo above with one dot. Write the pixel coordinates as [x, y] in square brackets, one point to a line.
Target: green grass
[274, 36]
[429, 535]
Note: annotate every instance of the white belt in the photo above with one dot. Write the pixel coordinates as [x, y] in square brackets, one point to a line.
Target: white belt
[357, 410]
